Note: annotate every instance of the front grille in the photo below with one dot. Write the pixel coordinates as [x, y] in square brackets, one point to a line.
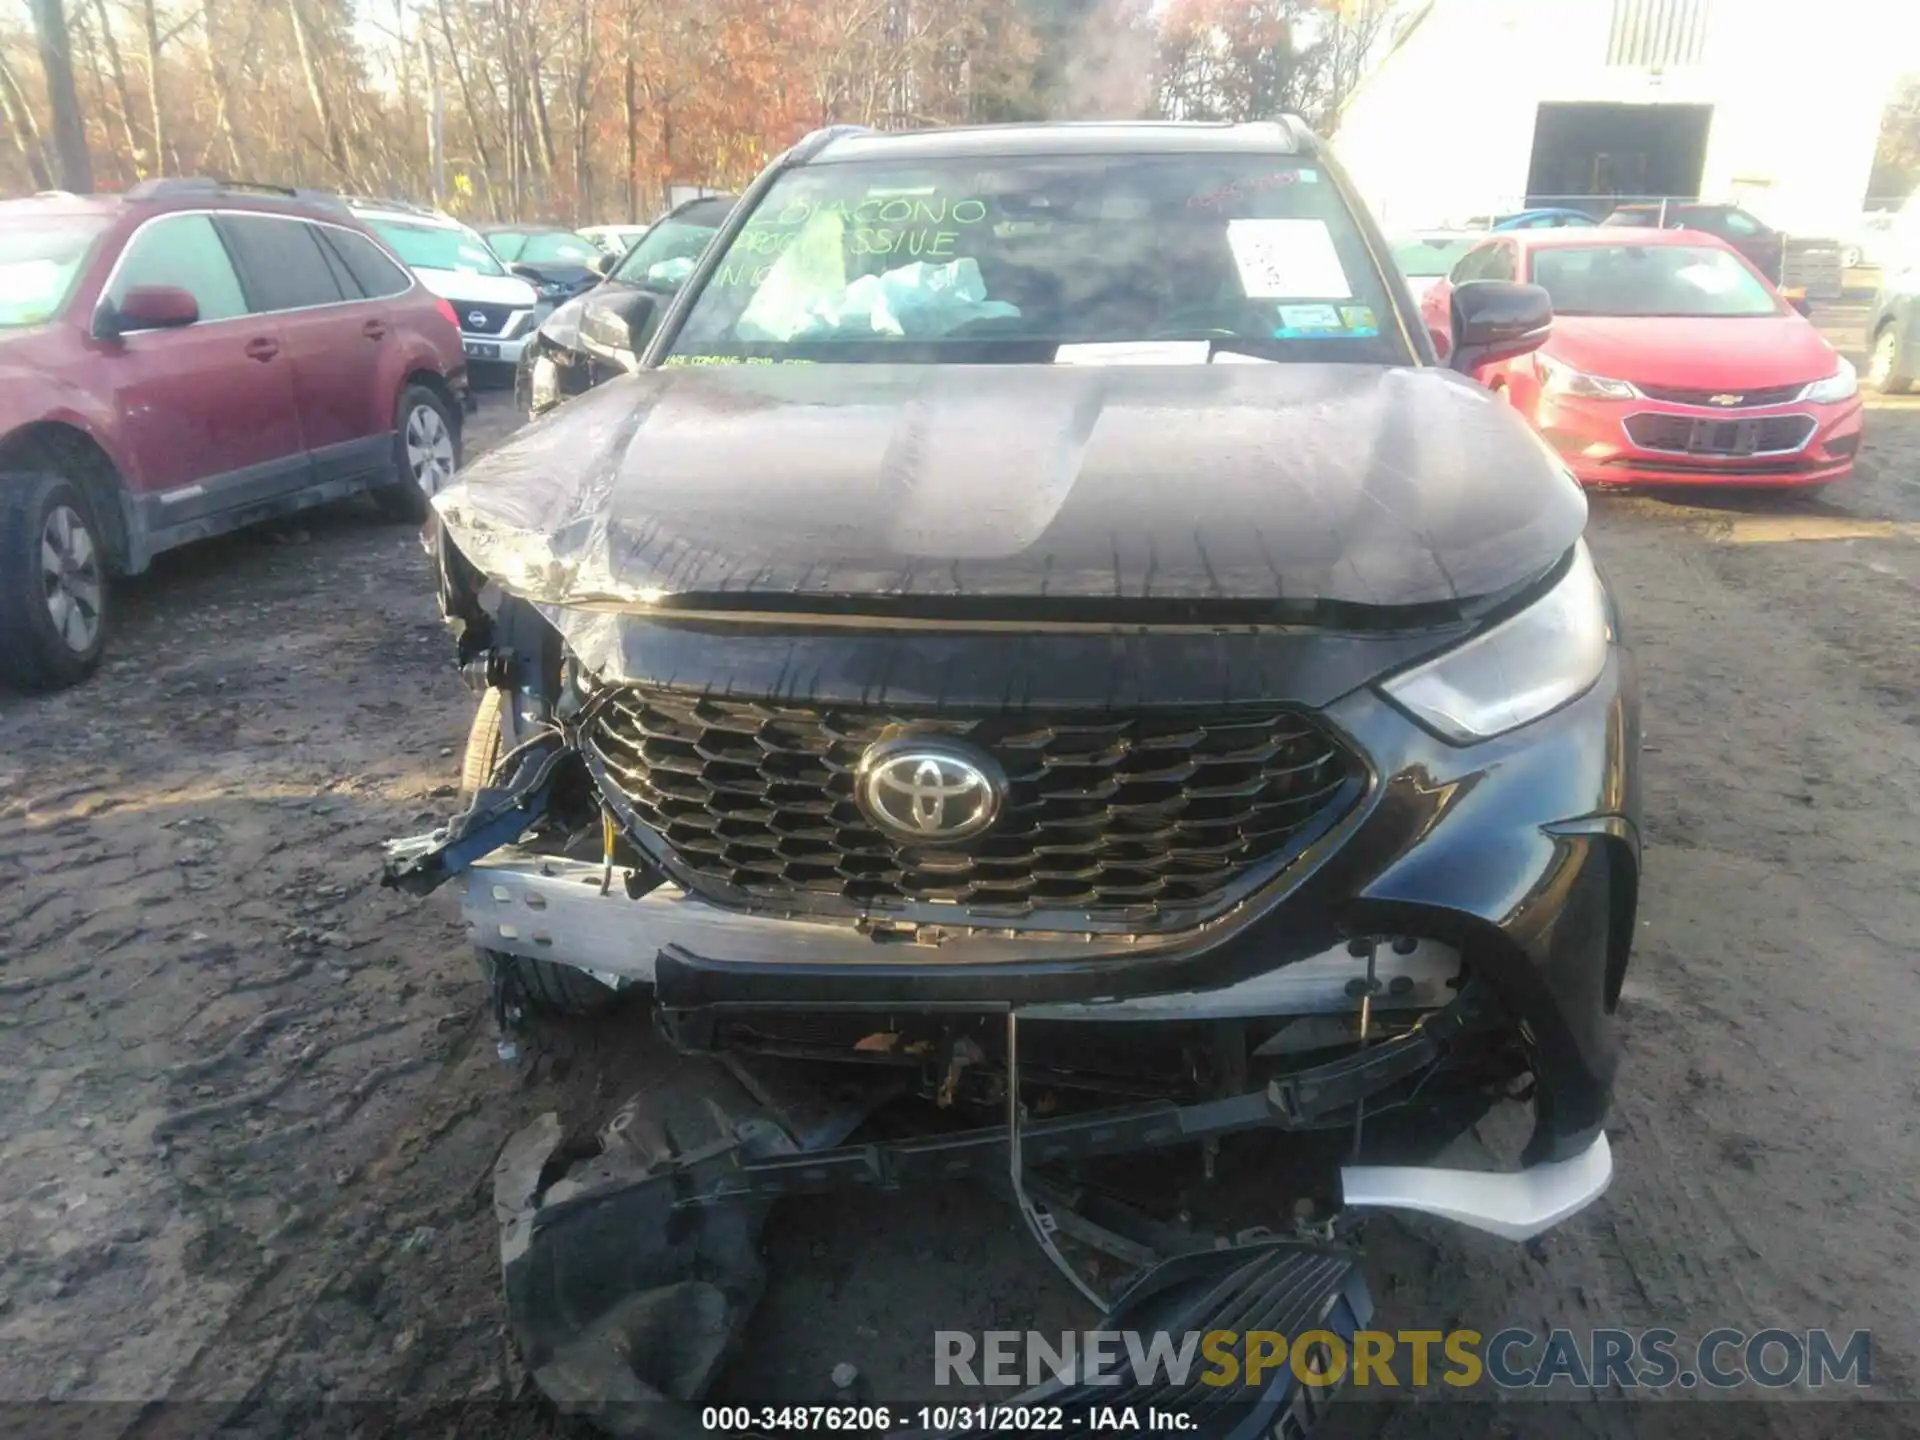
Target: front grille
[477, 319]
[1136, 814]
[1718, 399]
[1688, 435]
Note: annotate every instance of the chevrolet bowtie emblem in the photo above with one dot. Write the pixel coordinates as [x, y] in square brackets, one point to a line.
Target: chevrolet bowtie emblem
[1725, 399]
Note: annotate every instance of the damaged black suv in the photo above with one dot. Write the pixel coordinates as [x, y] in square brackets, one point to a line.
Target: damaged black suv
[1041, 627]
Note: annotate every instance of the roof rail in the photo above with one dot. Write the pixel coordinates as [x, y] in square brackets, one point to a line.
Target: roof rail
[813, 143]
[174, 187]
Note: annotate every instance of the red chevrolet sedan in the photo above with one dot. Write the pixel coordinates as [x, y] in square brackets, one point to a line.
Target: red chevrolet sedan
[1672, 361]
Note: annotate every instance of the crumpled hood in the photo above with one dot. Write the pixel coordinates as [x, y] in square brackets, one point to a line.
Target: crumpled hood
[717, 484]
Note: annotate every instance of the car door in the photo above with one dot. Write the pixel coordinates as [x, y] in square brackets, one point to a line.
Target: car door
[209, 409]
[334, 337]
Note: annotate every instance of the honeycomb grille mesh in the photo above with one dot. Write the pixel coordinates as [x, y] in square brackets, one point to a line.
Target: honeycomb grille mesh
[1128, 813]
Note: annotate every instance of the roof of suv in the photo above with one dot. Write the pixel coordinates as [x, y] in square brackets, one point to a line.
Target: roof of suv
[181, 192]
[530, 227]
[1285, 136]
[404, 213]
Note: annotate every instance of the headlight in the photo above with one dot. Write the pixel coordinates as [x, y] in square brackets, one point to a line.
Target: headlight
[1521, 669]
[562, 327]
[1558, 379]
[1843, 384]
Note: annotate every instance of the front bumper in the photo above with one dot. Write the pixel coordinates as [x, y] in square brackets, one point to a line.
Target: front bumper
[1519, 855]
[1591, 436]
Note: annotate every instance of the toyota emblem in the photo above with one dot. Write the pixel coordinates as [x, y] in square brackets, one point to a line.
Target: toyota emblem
[929, 791]
[477, 319]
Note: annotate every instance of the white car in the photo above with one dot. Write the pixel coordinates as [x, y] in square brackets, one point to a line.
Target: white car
[1883, 236]
[497, 311]
[616, 240]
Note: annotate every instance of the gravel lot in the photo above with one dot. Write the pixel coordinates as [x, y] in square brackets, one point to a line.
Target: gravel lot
[249, 1102]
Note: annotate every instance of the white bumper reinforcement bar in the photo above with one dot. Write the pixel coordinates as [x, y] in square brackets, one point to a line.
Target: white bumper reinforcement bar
[552, 909]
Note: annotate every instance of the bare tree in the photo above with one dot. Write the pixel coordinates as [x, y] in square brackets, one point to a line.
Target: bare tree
[23, 127]
[69, 125]
[333, 143]
[102, 27]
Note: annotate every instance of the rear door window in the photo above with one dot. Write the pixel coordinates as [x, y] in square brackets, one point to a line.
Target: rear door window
[183, 251]
[282, 263]
[376, 275]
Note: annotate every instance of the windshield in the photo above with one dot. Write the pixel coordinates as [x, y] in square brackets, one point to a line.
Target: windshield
[551, 248]
[39, 263]
[1648, 280]
[1424, 258]
[1017, 260]
[665, 257]
[437, 247]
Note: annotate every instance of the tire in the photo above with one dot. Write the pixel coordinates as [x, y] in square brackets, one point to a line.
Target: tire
[1884, 361]
[54, 609]
[426, 454]
[485, 744]
[544, 990]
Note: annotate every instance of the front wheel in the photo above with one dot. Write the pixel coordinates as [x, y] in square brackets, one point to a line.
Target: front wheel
[1883, 368]
[426, 452]
[53, 583]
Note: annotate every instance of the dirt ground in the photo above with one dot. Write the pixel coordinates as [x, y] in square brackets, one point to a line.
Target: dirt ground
[249, 1102]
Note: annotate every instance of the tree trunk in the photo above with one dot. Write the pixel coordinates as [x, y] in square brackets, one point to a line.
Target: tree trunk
[542, 127]
[156, 119]
[23, 128]
[220, 79]
[632, 99]
[333, 146]
[122, 94]
[466, 104]
[69, 126]
[582, 104]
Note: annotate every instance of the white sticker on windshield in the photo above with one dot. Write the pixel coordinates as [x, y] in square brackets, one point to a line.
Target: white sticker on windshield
[1135, 352]
[1287, 260]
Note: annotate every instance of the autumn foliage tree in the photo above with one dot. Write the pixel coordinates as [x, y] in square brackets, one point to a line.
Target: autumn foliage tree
[593, 110]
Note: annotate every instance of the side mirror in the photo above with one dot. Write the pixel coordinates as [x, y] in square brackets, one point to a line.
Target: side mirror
[1496, 320]
[1801, 304]
[146, 307]
[619, 329]
[602, 264]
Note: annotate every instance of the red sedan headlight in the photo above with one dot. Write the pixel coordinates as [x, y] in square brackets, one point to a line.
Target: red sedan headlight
[1559, 379]
[1843, 384]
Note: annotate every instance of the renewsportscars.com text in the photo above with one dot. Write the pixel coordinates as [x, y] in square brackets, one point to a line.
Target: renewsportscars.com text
[1721, 1359]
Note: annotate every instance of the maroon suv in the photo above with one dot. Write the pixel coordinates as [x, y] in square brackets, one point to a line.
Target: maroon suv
[186, 359]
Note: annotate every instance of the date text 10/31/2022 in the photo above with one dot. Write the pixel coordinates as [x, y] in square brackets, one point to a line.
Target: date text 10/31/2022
[945, 1419]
